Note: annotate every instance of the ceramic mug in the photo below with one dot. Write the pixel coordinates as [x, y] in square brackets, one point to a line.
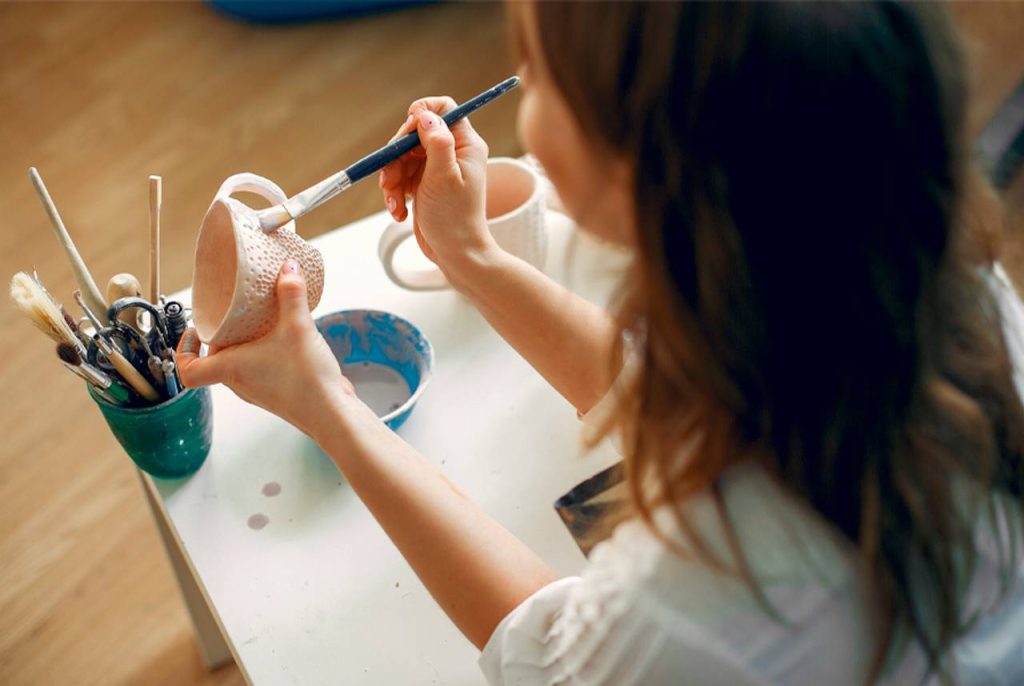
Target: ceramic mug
[237, 264]
[515, 217]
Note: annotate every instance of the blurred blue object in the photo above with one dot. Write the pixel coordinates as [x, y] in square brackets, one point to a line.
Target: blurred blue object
[291, 11]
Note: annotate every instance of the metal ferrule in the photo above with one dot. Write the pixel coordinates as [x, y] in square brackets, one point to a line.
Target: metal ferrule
[96, 376]
[300, 203]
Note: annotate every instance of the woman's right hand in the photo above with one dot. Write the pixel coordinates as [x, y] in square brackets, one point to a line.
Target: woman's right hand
[446, 179]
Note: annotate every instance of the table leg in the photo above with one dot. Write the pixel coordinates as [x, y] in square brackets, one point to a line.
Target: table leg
[214, 649]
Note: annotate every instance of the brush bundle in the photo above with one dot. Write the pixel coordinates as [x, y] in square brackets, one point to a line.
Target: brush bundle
[127, 359]
[38, 305]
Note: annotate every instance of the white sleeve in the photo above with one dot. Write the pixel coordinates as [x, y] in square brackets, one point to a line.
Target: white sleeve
[581, 630]
[606, 628]
[1012, 312]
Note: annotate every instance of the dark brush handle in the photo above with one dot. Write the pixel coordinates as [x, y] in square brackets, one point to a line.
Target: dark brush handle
[375, 161]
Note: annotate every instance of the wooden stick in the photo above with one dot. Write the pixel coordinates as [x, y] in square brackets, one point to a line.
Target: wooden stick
[128, 372]
[155, 201]
[85, 281]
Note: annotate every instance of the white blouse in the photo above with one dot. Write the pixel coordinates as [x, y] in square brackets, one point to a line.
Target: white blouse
[643, 614]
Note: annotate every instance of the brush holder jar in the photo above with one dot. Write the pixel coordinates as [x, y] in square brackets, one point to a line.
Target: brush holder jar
[170, 440]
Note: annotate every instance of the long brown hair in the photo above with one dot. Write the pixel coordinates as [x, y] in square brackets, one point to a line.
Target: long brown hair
[811, 295]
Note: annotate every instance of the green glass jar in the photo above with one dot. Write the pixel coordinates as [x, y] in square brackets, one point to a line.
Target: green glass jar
[169, 440]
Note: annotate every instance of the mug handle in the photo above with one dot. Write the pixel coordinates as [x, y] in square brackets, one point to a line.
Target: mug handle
[254, 183]
[425, 280]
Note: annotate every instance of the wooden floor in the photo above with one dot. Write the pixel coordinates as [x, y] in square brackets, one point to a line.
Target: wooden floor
[98, 96]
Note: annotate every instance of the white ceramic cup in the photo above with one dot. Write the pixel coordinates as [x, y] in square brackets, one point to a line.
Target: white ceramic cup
[236, 265]
[515, 217]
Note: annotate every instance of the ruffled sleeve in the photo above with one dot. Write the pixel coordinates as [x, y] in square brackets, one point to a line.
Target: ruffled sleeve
[607, 627]
[1012, 313]
[520, 635]
[590, 629]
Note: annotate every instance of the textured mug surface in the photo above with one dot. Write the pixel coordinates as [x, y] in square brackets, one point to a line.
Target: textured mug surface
[515, 216]
[237, 264]
[373, 337]
[169, 440]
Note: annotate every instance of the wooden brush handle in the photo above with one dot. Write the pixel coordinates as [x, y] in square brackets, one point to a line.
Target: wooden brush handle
[133, 377]
[128, 372]
[156, 199]
[90, 291]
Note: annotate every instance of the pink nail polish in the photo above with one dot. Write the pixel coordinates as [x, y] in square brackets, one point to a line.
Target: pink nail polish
[392, 204]
[291, 266]
[426, 119]
[383, 176]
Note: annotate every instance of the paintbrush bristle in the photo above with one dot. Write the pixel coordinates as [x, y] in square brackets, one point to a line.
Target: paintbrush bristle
[69, 320]
[67, 352]
[33, 300]
[273, 218]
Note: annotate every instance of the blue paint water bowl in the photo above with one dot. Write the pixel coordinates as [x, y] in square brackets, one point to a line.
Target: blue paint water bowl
[385, 357]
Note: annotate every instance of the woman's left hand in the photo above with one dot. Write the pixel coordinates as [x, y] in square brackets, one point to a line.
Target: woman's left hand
[290, 371]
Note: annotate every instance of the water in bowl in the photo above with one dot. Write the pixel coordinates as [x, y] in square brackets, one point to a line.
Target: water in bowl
[377, 385]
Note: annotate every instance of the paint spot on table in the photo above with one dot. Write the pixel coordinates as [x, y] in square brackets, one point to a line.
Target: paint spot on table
[271, 489]
[258, 521]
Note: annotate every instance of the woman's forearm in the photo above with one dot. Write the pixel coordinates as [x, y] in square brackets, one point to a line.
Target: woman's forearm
[474, 568]
[566, 338]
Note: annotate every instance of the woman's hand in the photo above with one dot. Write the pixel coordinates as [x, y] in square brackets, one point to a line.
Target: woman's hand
[446, 180]
[291, 371]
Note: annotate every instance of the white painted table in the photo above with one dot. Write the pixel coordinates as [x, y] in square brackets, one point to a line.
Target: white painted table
[320, 595]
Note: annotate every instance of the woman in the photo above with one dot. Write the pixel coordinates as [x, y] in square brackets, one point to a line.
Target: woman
[824, 444]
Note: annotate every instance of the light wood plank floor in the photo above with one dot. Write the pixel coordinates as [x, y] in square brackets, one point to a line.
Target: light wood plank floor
[98, 96]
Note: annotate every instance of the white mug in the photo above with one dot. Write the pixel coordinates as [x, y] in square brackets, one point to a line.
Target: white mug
[236, 264]
[515, 217]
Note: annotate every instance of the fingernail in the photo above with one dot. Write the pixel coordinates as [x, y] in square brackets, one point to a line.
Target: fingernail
[291, 266]
[383, 176]
[427, 119]
[392, 204]
[190, 341]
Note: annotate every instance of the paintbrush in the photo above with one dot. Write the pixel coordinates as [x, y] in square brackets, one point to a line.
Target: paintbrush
[73, 325]
[156, 199]
[314, 196]
[82, 274]
[156, 370]
[32, 299]
[77, 371]
[132, 376]
[126, 369]
[171, 377]
[111, 390]
[80, 299]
